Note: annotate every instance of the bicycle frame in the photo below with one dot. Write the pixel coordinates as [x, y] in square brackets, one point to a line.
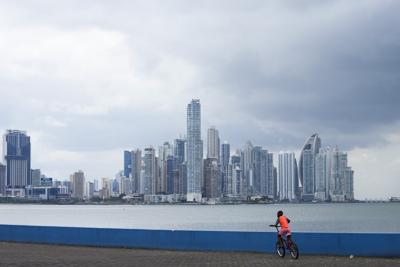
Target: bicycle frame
[285, 240]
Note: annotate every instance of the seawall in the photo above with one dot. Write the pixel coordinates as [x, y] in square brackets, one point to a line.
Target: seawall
[360, 244]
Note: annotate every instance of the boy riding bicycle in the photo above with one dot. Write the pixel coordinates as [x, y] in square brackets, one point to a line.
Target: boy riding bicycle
[283, 222]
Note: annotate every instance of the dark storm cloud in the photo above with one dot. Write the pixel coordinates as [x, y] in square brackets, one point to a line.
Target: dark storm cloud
[341, 76]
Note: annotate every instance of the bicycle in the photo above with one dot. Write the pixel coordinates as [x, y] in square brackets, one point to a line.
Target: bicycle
[287, 244]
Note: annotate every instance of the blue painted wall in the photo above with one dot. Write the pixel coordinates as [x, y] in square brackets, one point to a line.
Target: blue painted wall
[309, 243]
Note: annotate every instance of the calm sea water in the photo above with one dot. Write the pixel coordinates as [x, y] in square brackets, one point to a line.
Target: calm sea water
[360, 217]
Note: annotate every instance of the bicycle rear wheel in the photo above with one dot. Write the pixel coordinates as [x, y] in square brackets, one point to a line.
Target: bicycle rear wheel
[280, 249]
[294, 251]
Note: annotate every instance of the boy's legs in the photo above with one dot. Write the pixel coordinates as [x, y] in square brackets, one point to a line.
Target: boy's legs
[280, 240]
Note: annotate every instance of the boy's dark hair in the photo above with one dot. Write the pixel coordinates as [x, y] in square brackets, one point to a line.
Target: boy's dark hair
[280, 213]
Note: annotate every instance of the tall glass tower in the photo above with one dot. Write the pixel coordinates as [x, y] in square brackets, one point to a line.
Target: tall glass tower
[17, 156]
[194, 151]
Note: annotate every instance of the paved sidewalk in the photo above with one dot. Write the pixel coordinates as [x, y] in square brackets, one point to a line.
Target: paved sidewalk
[15, 254]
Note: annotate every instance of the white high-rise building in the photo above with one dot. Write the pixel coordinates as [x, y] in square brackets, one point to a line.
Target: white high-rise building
[194, 152]
[89, 190]
[333, 177]
[307, 167]
[287, 176]
[213, 143]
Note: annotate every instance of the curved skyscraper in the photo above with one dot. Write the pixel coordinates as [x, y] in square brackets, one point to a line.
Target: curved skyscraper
[307, 167]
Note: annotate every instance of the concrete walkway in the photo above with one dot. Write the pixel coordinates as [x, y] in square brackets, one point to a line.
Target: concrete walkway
[16, 254]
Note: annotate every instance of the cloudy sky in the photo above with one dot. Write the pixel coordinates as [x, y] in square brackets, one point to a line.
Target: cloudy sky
[88, 79]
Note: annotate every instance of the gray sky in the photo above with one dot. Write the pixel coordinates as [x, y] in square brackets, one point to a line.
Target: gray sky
[88, 79]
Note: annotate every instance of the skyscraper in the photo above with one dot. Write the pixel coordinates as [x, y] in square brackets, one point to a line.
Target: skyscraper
[78, 184]
[337, 185]
[163, 153]
[247, 167]
[287, 173]
[150, 168]
[225, 168]
[349, 187]
[17, 156]
[307, 166]
[263, 172]
[213, 143]
[323, 169]
[194, 151]
[136, 167]
[180, 165]
[225, 153]
[212, 178]
[127, 163]
[333, 177]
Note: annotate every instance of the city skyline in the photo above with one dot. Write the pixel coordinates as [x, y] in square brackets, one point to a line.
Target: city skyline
[181, 171]
[92, 83]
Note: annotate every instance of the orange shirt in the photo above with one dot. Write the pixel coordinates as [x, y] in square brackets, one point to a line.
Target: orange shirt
[283, 222]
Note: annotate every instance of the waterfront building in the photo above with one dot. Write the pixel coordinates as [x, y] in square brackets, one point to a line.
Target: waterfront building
[338, 175]
[41, 192]
[270, 188]
[164, 152]
[213, 143]
[150, 171]
[136, 167]
[349, 187]
[89, 190]
[180, 166]
[142, 184]
[2, 179]
[194, 152]
[115, 186]
[17, 158]
[287, 173]
[127, 163]
[212, 178]
[233, 180]
[247, 167]
[307, 167]
[78, 184]
[124, 185]
[333, 176]
[225, 168]
[36, 175]
[173, 184]
[323, 169]
[263, 173]
[106, 188]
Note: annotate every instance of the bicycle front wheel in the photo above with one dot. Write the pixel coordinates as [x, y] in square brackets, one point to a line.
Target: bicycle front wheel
[280, 249]
[294, 251]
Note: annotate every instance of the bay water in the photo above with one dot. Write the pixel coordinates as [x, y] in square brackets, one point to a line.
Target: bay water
[345, 217]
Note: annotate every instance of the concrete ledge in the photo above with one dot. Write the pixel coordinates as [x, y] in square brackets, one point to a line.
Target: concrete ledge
[360, 244]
